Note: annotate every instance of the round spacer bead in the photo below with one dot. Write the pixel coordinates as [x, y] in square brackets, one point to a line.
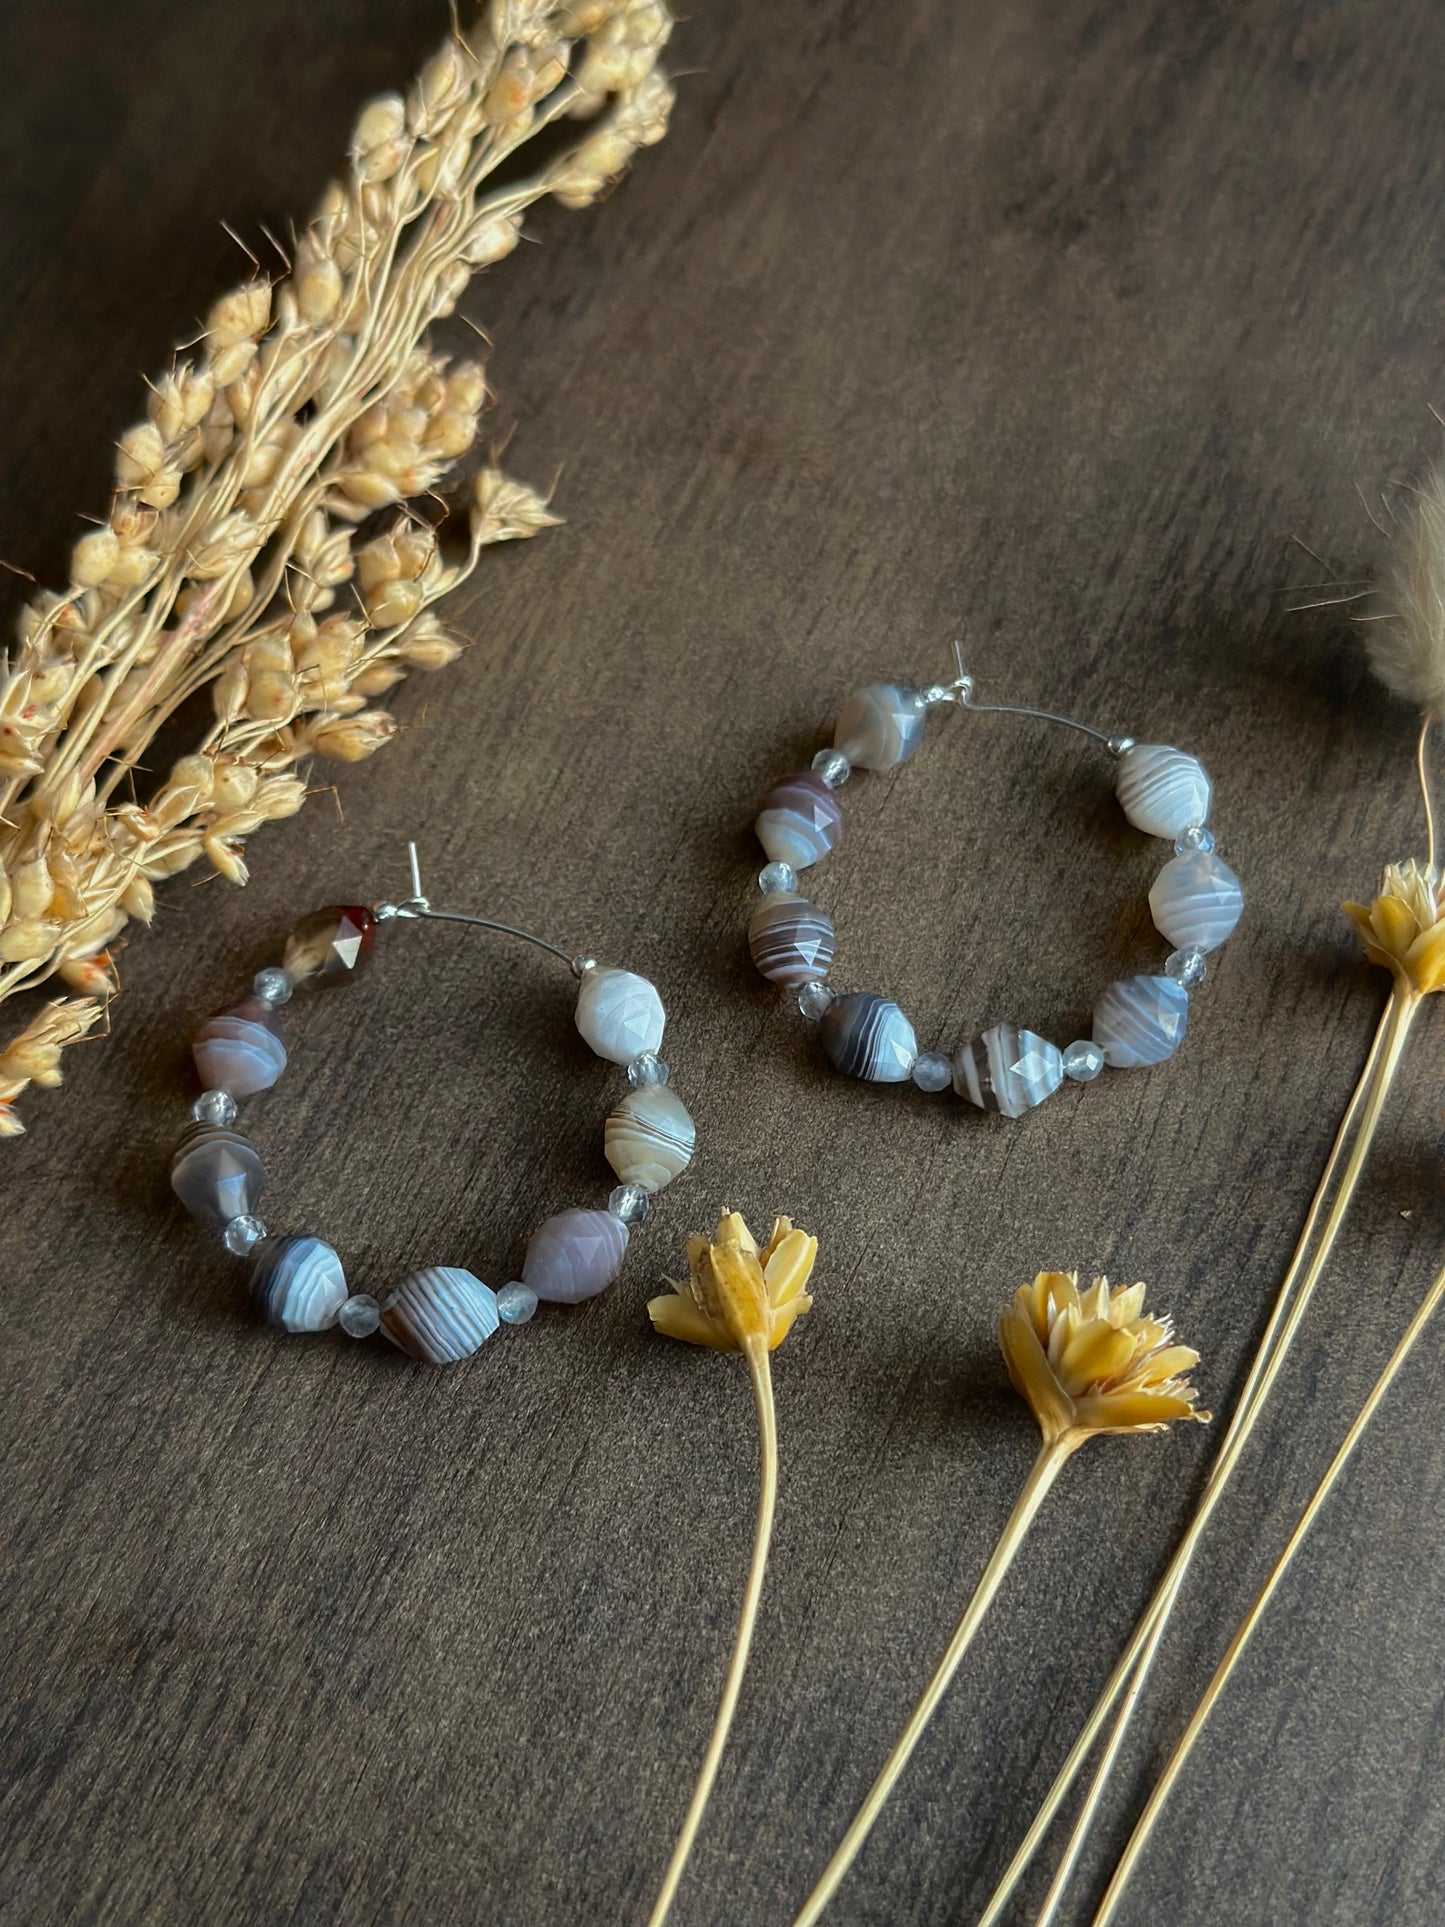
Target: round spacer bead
[630, 1203]
[242, 1235]
[1083, 1061]
[777, 879]
[360, 1316]
[1186, 967]
[272, 985]
[214, 1107]
[645, 1069]
[813, 1000]
[833, 766]
[1194, 839]
[932, 1071]
[516, 1303]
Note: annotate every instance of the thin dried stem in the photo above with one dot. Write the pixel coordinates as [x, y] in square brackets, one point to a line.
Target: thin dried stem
[1327, 1210]
[762, 1382]
[1046, 1468]
[1423, 771]
[1148, 1819]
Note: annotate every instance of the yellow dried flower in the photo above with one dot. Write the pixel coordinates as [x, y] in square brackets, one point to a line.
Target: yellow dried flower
[1090, 1362]
[735, 1293]
[1402, 930]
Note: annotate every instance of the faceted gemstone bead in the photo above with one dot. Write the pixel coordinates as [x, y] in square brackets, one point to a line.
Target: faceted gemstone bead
[1083, 1061]
[574, 1255]
[791, 941]
[240, 1051]
[1196, 901]
[800, 821]
[1008, 1070]
[777, 880]
[272, 985]
[933, 1071]
[645, 1069]
[869, 1037]
[330, 945]
[619, 1014]
[813, 1000]
[833, 766]
[214, 1107]
[1141, 1020]
[1187, 967]
[1196, 837]
[360, 1315]
[217, 1174]
[516, 1303]
[1162, 791]
[299, 1285]
[650, 1137]
[242, 1235]
[440, 1315]
[880, 726]
[629, 1203]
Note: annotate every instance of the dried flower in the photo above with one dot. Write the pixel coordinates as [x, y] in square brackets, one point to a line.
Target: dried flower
[736, 1299]
[1402, 930]
[735, 1293]
[1090, 1362]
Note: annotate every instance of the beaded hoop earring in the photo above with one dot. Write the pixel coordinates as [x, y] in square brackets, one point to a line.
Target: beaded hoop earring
[1196, 901]
[444, 1313]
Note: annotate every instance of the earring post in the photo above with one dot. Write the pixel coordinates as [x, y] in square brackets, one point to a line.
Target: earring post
[418, 909]
[964, 685]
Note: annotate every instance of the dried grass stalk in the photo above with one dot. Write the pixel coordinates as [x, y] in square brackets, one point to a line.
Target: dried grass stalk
[232, 554]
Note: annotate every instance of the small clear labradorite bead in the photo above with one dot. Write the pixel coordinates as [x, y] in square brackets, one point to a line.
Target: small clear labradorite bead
[242, 1235]
[1186, 967]
[1196, 837]
[1083, 1061]
[932, 1071]
[272, 985]
[360, 1315]
[516, 1303]
[813, 1000]
[833, 766]
[774, 879]
[936, 694]
[214, 1107]
[629, 1202]
[646, 1068]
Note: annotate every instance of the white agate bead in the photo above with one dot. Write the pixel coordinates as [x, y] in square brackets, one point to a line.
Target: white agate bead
[650, 1138]
[1161, 790]
[1196, 901]
[619, 1014]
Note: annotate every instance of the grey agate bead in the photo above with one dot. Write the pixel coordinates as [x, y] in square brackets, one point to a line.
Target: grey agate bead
[880, 726]
[800, 821]
[574, 1255]
[440, 1315]
[869, 1037]
[217, 1174]
[299, 1285]
[1008, 1070]
[240, 1051]
[619, 1014]
[1196, 901]
[1141, 1020]
[791, 941]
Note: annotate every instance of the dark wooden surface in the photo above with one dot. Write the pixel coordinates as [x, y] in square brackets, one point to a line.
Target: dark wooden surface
[1051, 323]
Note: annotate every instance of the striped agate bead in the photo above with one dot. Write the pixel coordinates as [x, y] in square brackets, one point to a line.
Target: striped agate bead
[217, 1173]
[791, 941]
[650, 1138]
[880, 726]
[620, 1014]
[240, 1051]
[440, 1315]
[800, 821]
[1008, 1070]
[1161, 790]
[1141, 1020]
[299, 1285]
[574, 1255]
[869, 1037]
[1196, 901]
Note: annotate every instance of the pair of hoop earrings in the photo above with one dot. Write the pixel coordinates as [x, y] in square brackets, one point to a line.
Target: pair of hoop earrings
[446, 1313]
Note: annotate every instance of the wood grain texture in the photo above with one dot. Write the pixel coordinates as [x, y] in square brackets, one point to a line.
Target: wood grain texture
[1058, 323]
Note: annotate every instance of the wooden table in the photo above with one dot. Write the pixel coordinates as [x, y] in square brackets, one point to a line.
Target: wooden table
[1069, 328]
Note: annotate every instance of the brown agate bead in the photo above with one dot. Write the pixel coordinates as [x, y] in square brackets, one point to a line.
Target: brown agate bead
[330, 945]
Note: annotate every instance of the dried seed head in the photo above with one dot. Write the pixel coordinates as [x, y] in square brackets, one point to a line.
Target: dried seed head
[354, 738]
[735, 1295]
[317, 282]
[241, 316]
